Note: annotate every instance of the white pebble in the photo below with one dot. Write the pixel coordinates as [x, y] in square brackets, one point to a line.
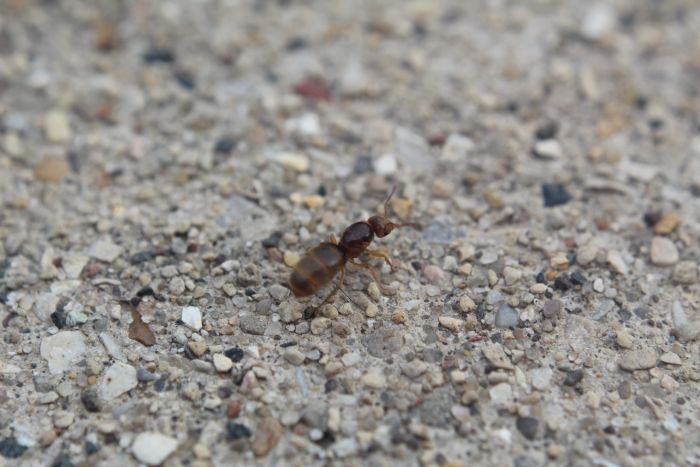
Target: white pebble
[118, 379]
[192, 317]
[153, 448]
[62, 349]
[222, 363]
[386, 165]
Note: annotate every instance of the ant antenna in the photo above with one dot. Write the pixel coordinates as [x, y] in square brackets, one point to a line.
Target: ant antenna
[386, 202]
[386, 212]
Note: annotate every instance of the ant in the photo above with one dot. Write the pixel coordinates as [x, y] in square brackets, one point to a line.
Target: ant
[321, 263]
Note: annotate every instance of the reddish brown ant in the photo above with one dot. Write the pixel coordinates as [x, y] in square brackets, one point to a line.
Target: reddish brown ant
[321, 263]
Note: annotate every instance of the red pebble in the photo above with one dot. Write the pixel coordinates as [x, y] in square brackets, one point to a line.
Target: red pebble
[233, 409]
[314, 89]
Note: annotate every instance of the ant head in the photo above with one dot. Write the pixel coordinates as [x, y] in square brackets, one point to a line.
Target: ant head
[381, 225]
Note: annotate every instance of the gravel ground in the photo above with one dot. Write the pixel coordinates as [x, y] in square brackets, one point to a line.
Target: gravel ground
[164, 164]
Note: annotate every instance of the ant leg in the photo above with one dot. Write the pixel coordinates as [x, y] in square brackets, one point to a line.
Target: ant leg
[338, 286]
[375, 275]
[381, 254]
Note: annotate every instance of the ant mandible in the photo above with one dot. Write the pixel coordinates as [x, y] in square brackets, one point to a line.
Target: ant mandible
[321, 263]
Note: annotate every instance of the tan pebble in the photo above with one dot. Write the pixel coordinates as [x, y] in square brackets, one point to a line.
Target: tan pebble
[201, 451]
[372, 310]
[493, 200]
[492, 277]
[667, 382]
[314, 201]
[448, 322]
[671, 358]
[52, 169]
[554, 451]
[330, 311]
[92, 380]
[298, 162]
[296, 198]
[624, 340]
[465, 269]
[57, 126]
[399, 316]
[197, 348]
[466, 304]
[538, 288]
[617, 264]
[458, 376]
[467, 252]
[667, 224]
[403, 208]
[374, 378]
[442, 188]
[291, 258]
[222, 363]
[373, 291]
[559, 261]
[471, 322]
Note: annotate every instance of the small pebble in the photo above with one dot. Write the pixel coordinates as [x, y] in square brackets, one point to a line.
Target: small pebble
[254, 324]
[294, 356]
[641, 359]
[624, 340]
[667, 224]
[192, 318]
[548, 149]
[374, 378]
[538, 289]
[540, 378]
[559, 261]
[372, 310]
[663, 252]
[598, 285]
[554, 194]
[267, 435]
[222, 363]
[198, 348]
[62, 350]
[617, 264]
[448, 322]
[511, 275]
[496, 356]
[237, 431]
[291, 258]
[527, 426]
[586, 254]
[105, 250]
[11, 449]
[386, 165]
[57, 126]
[399, 316]
[671, 358]
[573, 378]
[466, 304]
[685, 272]
[314, 201]
[506, 317]
[52, 169]
[153, 448]
[297, 162]
[116, 380]
[551, 308]
[433, 274]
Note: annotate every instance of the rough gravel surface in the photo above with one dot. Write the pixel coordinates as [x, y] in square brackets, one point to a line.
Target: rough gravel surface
[163, 165]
